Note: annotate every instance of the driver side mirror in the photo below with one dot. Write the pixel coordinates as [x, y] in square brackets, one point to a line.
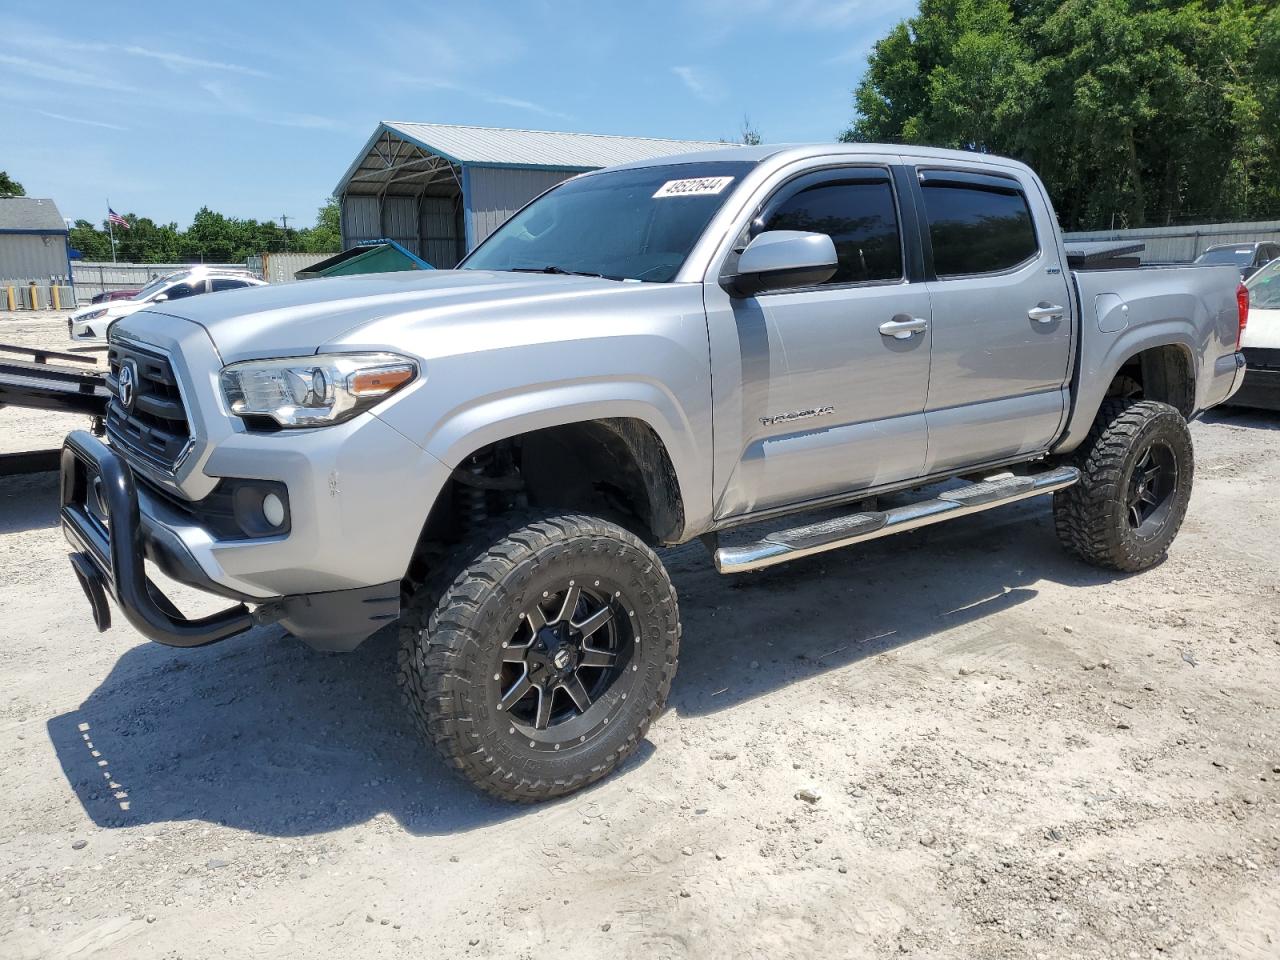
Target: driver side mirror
[778, 259]
[160, 298]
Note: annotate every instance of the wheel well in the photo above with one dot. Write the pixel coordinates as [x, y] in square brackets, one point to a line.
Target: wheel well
[616, 467]
[1160, 373]
[619, 464]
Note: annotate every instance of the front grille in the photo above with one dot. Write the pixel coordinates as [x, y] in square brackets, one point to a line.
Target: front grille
[1262, 357]
[156, 429]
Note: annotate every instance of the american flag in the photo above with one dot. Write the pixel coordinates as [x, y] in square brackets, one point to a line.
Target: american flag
[116, 219]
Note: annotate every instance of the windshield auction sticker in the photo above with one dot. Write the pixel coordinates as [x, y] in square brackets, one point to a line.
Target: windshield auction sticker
[697, 187]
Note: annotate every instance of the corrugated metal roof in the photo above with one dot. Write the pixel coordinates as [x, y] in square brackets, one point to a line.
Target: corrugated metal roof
[30, 213]
[538, 148]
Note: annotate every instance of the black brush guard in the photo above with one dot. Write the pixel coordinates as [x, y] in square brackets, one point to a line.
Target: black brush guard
[100, 519]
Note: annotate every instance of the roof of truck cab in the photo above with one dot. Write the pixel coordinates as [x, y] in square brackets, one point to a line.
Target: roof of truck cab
[800, 151]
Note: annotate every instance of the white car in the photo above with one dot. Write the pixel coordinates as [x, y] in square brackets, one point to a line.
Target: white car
[1261, 341]
[91, 323]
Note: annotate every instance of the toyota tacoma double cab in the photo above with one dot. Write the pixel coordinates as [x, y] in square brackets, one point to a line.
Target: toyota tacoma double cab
[641, 356]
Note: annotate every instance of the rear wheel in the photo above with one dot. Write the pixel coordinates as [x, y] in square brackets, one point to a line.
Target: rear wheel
[540, 666]
[1136, 468]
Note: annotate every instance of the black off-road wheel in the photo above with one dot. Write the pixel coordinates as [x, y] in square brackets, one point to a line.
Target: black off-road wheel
[539, 654]
[1136, 468]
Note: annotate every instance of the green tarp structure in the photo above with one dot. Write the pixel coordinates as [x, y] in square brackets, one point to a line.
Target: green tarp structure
[371, 256]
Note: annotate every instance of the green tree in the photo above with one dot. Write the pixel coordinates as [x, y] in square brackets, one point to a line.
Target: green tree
[326, 235]
[10, 187]
[92, 243]
[211, 238]
[1133, 111]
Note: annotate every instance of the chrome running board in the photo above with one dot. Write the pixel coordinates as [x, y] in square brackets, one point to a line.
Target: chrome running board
[783, 545]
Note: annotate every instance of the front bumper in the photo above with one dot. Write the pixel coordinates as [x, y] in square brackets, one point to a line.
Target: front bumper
[91, 330]
[112, 539]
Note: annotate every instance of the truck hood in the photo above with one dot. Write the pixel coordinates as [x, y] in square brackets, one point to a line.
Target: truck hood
[296, 319]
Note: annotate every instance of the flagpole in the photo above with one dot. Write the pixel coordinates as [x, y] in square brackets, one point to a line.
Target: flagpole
[111, 231]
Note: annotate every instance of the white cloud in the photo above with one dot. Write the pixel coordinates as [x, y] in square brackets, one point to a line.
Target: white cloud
[181, 62]
[230, 101]
[807, 14]
[56, 74]
[702, 83]
[81, 120]
[438, 83]
[857, 53]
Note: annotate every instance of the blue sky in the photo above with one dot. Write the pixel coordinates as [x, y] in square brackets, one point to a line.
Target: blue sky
[257, 109]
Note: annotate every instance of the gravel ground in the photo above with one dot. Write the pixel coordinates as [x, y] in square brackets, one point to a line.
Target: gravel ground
[955, 743]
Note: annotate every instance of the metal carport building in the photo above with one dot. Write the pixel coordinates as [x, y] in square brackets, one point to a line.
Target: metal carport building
[439, 189]
[33, 242]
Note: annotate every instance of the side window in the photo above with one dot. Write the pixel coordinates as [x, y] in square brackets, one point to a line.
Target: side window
[860, 218]
[180, 290]
[221, 283]
[977, 230]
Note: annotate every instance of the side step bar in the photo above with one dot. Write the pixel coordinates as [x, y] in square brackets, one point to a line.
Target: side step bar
[783, 545]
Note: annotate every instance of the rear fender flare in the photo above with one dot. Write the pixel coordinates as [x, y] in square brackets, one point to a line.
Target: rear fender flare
[1094, 374]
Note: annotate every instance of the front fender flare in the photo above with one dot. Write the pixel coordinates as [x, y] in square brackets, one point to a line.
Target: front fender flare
[489, 419]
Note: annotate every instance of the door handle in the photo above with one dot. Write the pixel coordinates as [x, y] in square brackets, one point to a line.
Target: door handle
[903, 327]
[1045, 312]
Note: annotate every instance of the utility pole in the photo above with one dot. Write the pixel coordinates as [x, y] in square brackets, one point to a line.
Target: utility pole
[284, 219]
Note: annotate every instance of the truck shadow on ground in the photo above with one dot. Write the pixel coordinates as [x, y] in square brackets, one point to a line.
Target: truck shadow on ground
[263, 734]
[29, 502]
[1244, 417]
[749, 635]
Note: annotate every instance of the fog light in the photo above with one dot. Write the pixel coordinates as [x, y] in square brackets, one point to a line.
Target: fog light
[273, 509]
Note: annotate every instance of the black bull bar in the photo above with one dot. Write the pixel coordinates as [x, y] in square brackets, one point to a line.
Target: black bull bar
[101, 521]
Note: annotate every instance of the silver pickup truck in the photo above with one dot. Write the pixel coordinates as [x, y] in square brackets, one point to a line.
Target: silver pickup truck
[642, 356]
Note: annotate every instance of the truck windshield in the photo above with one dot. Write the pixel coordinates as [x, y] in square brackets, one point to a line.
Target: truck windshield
[1264, 287]
[624, 224]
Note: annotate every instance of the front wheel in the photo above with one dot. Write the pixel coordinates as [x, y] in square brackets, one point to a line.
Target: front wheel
[539, 668]
[1136, 468]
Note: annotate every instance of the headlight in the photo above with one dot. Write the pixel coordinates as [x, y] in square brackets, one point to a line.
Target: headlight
[314, 391]
[92, 315]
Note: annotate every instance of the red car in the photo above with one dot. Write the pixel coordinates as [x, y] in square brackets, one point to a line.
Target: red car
[108, 295]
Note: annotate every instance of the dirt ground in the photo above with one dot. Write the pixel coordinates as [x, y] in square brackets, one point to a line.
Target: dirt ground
[956, 743]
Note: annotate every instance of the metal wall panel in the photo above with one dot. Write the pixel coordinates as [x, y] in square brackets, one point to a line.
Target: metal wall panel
[33, 257]
[400, 221]
[495, 193]
[439, 230]
[360, 220]
[1183, 244]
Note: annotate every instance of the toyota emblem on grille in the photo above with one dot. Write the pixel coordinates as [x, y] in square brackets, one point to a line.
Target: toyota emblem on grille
[128, 384]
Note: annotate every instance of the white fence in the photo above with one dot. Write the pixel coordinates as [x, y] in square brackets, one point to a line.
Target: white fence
[92, 279]
[1184, 244]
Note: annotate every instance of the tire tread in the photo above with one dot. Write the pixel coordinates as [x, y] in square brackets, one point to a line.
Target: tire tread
[439, 619]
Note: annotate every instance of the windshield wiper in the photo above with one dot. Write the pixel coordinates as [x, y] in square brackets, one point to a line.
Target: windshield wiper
[561, 271]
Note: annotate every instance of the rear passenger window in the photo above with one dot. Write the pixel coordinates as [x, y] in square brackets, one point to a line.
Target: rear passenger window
[860, 218]
[974, 230]
[221, 284]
